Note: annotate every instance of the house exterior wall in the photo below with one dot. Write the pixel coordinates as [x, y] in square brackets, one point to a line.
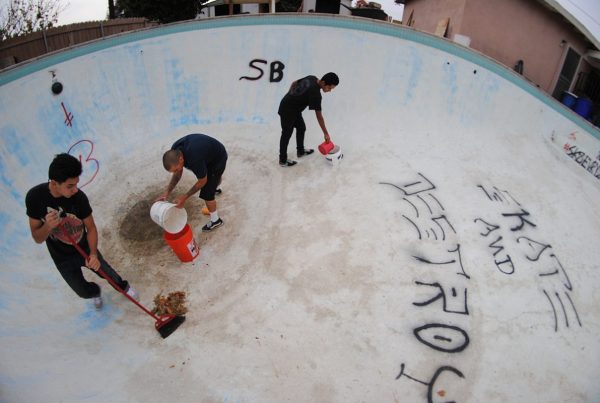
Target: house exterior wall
[508, 31]
[512, 30]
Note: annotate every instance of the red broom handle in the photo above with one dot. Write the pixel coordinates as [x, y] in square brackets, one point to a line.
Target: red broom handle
[102, 273]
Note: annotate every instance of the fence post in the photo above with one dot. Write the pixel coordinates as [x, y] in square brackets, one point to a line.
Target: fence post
[45, 40]
[102, 28]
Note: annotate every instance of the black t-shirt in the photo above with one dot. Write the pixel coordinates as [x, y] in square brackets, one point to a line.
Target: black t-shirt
[306, 92]
[39, 201]
[201, 153]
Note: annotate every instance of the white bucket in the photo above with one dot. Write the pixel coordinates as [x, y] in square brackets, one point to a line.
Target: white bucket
[171, 218]
[335, 156]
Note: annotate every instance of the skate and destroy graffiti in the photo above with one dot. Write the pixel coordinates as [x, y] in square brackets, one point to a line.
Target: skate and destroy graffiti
[509, 232]
[511, 238]
[447, 277]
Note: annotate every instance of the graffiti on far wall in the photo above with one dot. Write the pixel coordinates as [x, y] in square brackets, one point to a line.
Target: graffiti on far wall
[275, 70]
[68, 115]
[580, 157]
[83, 150]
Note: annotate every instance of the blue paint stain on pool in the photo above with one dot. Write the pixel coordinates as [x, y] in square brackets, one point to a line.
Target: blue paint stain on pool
[11, 245]
[8, 380]
[5, 218]
[15, 146]
[415, 73]
[184, 93]
[14, 155]
[22, 380]
[55, 124]
[451, 83]
[3, 303]
[96, 320]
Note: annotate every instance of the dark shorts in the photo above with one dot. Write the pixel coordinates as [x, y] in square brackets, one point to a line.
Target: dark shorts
[213, 180]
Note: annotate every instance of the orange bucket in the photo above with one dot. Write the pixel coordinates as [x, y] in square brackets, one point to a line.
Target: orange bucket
[183, 244]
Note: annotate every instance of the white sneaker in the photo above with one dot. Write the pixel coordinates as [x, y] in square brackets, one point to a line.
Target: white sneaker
[97, 302]
[132, 293]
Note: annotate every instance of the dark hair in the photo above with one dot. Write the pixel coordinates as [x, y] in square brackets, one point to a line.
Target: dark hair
[63, 167]
[171, 158]
[331, 79]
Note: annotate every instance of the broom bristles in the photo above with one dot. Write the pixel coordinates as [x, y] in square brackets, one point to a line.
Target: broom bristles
[168, 325]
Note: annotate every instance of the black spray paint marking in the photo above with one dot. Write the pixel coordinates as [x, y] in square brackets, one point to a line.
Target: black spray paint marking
[583, 159]
[431, 385]
[532, 254]
[275, 71]
[428, 217]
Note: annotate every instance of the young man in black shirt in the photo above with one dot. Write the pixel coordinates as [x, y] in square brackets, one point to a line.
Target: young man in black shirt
[304, 92]
[59, 201]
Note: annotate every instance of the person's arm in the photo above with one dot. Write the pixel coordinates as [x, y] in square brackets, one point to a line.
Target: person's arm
[193, 190]
[172, 183]
[92, 261]
[322, 124]
[40, 230]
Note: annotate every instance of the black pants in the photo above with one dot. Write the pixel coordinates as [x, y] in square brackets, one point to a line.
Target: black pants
[289, 122]
[70, 270]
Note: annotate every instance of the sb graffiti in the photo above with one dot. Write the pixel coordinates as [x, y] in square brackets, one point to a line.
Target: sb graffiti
[275, 70]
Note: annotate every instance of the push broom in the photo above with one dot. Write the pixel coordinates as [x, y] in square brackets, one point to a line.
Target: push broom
[165, 324]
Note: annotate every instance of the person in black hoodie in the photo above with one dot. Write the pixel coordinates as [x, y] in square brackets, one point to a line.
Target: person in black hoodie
[303, 92]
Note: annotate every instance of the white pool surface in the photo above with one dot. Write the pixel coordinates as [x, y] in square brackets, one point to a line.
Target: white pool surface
[451, 255]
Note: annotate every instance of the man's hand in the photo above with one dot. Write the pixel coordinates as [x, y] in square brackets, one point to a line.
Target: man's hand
[180, 201]
[52, 219]
[92, 262]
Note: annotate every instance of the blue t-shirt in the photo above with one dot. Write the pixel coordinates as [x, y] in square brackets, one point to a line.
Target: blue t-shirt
[202, 154]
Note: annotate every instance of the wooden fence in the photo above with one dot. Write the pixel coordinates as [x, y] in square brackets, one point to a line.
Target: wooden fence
[19, 49]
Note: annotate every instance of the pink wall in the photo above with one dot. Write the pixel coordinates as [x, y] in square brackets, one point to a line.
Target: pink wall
[508, 31]
[427, 13]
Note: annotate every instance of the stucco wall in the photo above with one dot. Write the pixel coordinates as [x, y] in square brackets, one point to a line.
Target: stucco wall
[508, 31]
[512, 30]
